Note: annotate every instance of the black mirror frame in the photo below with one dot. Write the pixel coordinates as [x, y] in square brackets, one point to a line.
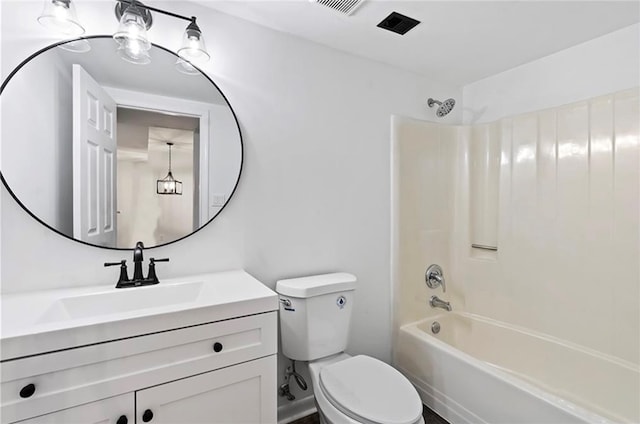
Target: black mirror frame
[15, 197]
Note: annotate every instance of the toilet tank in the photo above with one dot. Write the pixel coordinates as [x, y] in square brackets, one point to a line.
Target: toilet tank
[315, 313]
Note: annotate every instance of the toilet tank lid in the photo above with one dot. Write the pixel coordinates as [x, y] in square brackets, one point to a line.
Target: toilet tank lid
[316, 285]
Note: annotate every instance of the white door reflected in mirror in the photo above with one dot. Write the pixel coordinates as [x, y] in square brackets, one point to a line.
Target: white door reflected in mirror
[94, 163]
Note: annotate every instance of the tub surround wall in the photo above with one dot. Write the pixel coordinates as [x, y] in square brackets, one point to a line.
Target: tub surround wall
[568, 211]
[422, 218]
[566, 269]
[568, 230]
[484, 175]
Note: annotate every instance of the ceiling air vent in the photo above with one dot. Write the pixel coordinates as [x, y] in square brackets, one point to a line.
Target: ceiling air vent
[398, 23]
[346, 7]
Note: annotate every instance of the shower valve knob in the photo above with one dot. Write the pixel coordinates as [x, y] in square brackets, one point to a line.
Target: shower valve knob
[434, 277]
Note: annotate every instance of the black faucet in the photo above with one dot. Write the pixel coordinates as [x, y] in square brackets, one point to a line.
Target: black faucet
[137, 262]
[138, 276]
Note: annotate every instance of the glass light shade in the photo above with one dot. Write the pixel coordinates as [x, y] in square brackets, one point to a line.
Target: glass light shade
[133, 53]
[185, 67]
[193, 47]
[132, 28]
[60, 16]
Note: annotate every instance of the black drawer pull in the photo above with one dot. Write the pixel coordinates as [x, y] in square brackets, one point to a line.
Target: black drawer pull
[147, 416]
[217, 347]
[28, 391]
[122, 420]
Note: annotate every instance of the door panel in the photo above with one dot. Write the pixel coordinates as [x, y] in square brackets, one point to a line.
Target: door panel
[94, 161]
[240, 394]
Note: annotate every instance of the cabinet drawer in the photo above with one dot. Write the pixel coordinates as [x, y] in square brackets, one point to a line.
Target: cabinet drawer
[115, 410]
[76, 376]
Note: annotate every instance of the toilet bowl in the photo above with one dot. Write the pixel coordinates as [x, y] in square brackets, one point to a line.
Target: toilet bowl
[360, 389]
[315, 314]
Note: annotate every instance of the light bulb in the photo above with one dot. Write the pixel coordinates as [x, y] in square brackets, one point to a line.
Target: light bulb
[132, 28]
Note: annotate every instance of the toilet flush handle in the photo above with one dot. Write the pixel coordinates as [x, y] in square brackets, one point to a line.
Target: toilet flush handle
[285, 302]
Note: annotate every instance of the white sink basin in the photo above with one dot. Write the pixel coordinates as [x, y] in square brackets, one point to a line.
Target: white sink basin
[121, 301]
[49, 320]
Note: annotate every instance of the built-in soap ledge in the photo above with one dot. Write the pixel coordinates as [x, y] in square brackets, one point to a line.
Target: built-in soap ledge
[480, 251]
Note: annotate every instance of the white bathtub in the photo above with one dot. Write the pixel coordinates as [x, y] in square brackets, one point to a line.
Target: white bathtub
[477, 370]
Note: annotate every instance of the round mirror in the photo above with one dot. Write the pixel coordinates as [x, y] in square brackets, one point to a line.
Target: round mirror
[109, 152]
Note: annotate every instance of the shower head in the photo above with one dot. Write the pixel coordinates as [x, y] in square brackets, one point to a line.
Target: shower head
[444, 108]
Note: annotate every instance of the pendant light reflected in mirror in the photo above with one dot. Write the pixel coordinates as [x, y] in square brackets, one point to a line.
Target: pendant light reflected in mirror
[169, 185]
[60, 16]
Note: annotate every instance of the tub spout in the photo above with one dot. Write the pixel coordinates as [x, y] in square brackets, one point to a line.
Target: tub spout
[435, 302]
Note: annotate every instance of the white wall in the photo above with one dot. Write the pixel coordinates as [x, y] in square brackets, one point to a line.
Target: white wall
[603, 65]
[315, 192]
[225, 144]
[36, 106]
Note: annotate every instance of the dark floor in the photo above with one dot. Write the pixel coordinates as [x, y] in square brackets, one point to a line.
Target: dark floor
[430, 417]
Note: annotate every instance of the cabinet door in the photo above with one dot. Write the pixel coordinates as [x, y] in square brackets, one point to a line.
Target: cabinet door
[244, 393]
[106, 411]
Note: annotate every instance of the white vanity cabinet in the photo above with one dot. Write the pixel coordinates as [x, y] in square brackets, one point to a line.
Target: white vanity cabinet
[223, 371]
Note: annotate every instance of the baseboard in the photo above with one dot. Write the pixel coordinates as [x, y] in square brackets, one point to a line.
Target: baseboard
[296, 409]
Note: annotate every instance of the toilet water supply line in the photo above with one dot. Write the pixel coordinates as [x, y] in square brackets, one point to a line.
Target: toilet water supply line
[284, 388]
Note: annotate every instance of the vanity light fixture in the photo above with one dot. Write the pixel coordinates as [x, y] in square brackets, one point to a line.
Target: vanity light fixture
[135, 19]
[169, 185]
[193, 48]
[60, 16]
[131, 35]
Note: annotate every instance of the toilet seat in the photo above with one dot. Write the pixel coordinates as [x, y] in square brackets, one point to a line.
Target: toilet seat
[370, 391]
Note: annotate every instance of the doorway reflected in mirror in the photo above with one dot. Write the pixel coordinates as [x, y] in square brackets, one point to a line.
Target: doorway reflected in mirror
[142, 153]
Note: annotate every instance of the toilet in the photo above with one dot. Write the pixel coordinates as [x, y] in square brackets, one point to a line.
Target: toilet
[315, 313]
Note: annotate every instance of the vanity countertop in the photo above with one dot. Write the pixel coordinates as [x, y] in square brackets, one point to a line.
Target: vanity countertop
[45, 321]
